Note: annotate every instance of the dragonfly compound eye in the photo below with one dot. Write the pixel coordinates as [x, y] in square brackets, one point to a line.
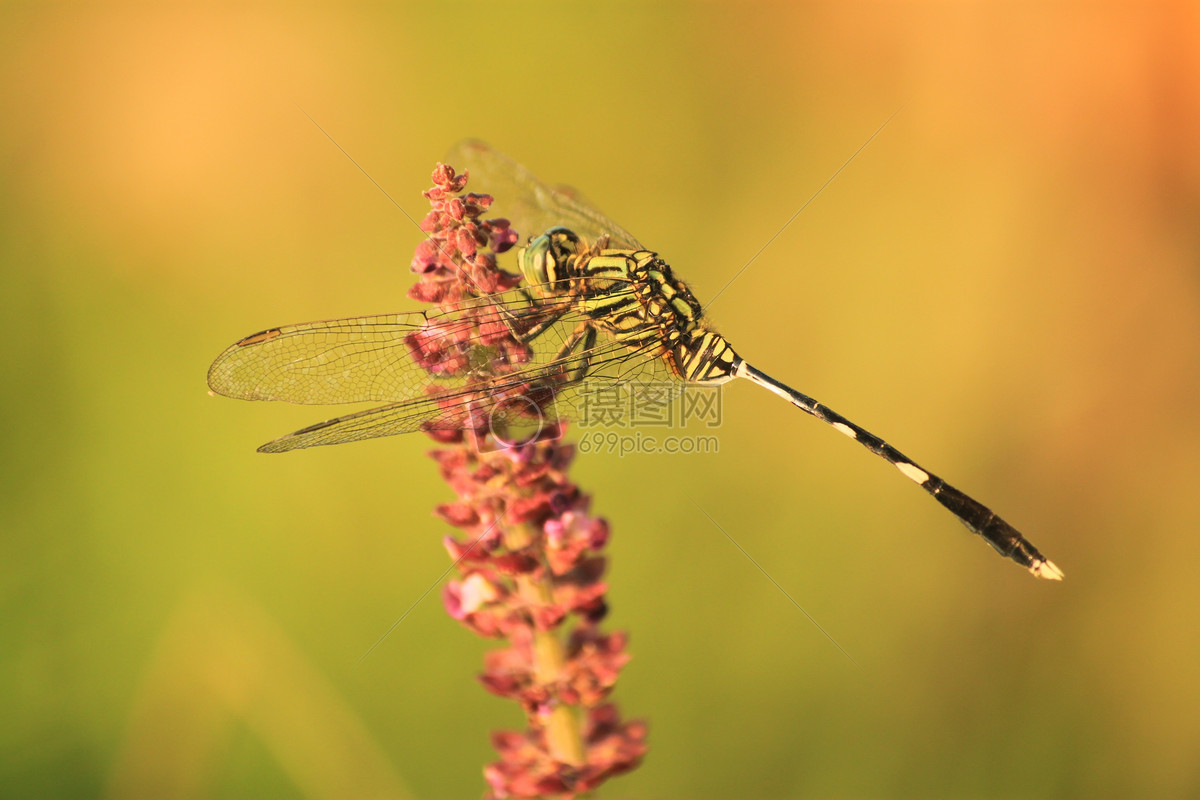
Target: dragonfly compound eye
[548, 258]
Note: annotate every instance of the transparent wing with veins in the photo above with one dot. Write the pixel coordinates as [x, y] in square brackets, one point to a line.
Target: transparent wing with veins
[370, 359]
[530, 205]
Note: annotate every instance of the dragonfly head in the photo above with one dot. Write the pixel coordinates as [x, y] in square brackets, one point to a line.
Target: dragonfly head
[547, 261]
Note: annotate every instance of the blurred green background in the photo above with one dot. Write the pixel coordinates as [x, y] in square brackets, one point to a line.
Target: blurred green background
[1004, 283]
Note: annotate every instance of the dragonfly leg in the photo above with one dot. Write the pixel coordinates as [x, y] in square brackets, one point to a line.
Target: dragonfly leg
[572, 351]
[543, 318]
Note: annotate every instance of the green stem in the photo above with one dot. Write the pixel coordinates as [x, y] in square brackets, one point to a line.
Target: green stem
[564, 734]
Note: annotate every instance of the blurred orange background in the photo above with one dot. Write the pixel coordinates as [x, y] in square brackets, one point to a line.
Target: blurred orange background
[1005, 283]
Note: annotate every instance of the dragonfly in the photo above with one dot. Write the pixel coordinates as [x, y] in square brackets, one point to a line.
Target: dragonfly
[596, 307]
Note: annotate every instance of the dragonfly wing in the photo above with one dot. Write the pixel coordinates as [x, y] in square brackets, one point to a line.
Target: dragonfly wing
[500, 402]
[621, 383]
[530, 205]
[403, 417]
[639, 375]
[360, 359]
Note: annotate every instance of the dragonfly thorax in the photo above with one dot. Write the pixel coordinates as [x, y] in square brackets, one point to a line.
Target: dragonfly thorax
[634, 296]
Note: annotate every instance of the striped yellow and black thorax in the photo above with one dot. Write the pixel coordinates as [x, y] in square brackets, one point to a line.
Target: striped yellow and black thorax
[635, 297]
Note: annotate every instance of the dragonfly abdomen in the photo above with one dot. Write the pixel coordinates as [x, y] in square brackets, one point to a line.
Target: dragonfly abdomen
[706, 357]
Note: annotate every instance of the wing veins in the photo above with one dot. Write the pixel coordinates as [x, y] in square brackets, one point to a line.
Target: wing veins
[410, 415]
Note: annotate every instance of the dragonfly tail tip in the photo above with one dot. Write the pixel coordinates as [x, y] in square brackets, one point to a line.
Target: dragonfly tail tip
[1048, 570]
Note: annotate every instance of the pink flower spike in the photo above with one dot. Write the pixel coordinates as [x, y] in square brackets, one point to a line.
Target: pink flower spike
[530, 553]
